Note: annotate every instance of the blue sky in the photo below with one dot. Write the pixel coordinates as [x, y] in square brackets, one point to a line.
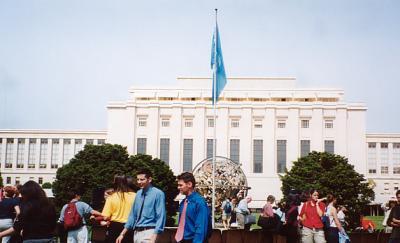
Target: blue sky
[62, 61]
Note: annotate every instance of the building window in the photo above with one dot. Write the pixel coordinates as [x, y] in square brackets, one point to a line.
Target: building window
[371, 158]
[330, 146]
[188, 122]
[8, 180]
[40, 180]
[257, 156]
[17, 180]
[67, 151]
[187, 154]
[101, 141]
[258, 123]
[20, 152]
[78, 145]
[305, 123]
[384, 158]
[165, 122]
[281, 155]
[43, 153]
[32, 153]
[210, 122]
[396, 158]
[9, 152]
[141, 145]
[235, 123]
[210, 148]
[89, 141]
[164, 150]
[281, 124]
[328, 124]
[235, 150]
[55, 150]
[1, 148]
[304, 148]
[142, 122]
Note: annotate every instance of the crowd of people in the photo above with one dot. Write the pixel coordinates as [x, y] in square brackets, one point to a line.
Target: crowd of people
[27, 215]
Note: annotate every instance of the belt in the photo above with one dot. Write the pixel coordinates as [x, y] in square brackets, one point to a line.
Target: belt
[144, 228]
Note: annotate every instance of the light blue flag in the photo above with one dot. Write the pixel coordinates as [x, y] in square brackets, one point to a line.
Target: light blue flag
[217, 65]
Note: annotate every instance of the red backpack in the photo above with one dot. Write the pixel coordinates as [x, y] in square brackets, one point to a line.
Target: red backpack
[72, 219]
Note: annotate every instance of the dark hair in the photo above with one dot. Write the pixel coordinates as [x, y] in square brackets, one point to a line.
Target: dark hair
[270, 198]
[73, 193]
[120, 184]
[330, 198]
[146, 172]
[187, 177]
[32, 191]
[131, 183]
[397, 193]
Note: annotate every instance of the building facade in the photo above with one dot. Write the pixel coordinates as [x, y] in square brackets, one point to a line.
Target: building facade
[262, 123]
[37, 154]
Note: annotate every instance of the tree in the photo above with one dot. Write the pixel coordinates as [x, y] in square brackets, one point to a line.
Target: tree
[46, 185]
[1, 181]
[329, 173]
[95, 166]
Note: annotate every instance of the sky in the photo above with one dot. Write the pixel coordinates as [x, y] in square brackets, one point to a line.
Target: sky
[62, 62]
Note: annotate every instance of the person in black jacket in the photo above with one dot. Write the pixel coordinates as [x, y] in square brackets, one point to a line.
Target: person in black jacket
[394, 221]
[37, 220]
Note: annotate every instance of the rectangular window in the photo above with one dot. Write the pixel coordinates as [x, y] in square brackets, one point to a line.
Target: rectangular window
[141, 145]
[43, 153]
[40, 180]
[9, 152]
[78, 145]
[164, 150]
[328, 124]
[371, 158]
[396, 158]
[257, 156]
[55, 150]
[330, 146]
[89, 141]
[305, 123]
[20, 152]
[210, 148]
[188, 122]
[142, 122]
[210, 122]
[67, 149]
[101, 141]
[165, 122]
[32, 153]
[1, 148]
[235, 150]
[235, 123]
[281, 124]
[187, 154]
[8, 180]
[258, 123]
[304, 148]
[384, 158]
[281, 155]
[17, 180]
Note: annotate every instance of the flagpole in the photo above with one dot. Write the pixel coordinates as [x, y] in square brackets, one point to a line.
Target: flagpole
[215, 129]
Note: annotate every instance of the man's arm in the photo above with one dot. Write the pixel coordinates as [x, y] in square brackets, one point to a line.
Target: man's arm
[129, 224]
[160, 213]
[201, 223]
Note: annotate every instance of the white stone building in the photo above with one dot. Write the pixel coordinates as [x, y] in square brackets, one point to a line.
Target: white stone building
[262, 123]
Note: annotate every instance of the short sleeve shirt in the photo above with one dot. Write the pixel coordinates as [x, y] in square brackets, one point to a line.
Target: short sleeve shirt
[312, 219]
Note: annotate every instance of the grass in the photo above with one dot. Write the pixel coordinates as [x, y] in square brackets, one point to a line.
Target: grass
[377, 220]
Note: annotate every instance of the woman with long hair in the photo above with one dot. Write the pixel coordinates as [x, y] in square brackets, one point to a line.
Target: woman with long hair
[334, 224]
[37, 220]
[117, 208]
[310, 216]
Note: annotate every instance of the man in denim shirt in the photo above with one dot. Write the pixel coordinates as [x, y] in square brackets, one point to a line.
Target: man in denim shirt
[194, 216]
[79, 235]
[147, 217]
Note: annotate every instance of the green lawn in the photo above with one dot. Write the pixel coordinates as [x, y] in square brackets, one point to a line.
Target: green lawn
[377, 220]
